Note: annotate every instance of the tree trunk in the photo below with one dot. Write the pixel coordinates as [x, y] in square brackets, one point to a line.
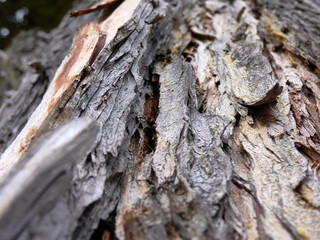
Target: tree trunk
[173, 119]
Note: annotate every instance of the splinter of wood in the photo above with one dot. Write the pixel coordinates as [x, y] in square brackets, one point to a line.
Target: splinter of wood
[94, 8]
[240, 14]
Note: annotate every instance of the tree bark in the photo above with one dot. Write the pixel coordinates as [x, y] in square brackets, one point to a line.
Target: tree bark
[165, 120]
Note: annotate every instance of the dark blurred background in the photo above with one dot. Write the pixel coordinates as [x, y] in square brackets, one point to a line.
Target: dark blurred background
[16, 15]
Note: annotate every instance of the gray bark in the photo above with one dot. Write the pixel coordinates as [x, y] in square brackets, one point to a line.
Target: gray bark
[180, 120]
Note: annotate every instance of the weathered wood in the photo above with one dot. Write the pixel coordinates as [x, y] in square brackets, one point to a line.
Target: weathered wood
[42, 176]
[36, 55]
[87, 44]
[210, 122]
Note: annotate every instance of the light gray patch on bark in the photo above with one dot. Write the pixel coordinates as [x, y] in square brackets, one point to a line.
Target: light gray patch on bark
[39, 180]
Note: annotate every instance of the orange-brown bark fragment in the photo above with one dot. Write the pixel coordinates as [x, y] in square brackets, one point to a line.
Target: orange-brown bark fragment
[25, 144]
[94, 8]
[82, 48]
[84, 45]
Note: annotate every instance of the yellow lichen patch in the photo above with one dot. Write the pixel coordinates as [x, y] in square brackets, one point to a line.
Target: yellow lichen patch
[175, 49]
[143, 187]
[229, 60]
[315, 107]
[245, 68]
[232, 114]
[177, 35]
[303, 233]
[274, 30]
[162, 144]
[249, 225]
[210, 64]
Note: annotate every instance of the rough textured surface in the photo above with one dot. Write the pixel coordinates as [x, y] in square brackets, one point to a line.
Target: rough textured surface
[297, 27]
[209, 114]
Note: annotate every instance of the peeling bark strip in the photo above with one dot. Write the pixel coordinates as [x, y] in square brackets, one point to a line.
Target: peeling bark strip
[107, 3]
[37, 59]
[61, 88]
[85, 48]
[209, 114]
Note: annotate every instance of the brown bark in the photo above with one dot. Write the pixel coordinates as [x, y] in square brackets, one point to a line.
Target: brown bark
[181, 120]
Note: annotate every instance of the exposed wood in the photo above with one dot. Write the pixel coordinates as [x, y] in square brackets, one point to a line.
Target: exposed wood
[97, 7]
[87, 44]
[36, 55]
